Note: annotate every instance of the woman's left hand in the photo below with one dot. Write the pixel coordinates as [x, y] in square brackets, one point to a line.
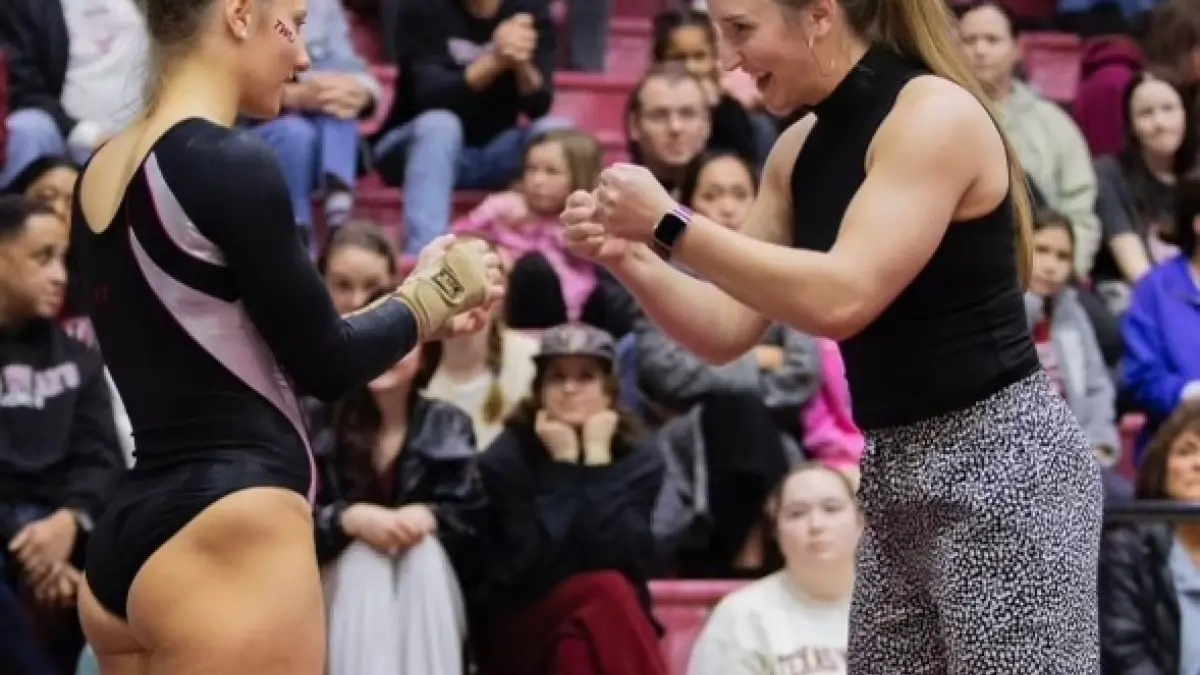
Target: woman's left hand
[631, 202]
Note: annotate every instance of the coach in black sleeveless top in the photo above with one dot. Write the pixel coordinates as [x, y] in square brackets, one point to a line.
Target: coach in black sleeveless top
[958, 333]
[893, 219]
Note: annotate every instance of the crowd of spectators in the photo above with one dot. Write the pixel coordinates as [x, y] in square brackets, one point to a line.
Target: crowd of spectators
[501, 501]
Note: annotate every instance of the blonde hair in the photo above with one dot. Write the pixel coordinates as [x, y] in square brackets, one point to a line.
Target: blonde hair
[925, 30]
[583, 152]
[495, 403]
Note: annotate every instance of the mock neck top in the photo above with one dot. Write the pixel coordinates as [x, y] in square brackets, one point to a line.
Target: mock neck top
[958, 333]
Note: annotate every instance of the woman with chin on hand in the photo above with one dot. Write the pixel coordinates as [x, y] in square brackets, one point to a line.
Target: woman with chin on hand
[571, 485]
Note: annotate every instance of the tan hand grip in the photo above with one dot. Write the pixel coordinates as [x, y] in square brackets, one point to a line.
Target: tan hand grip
[441, 292]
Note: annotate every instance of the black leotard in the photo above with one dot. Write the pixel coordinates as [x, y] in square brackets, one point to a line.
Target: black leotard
[212, 321]
[958, 332]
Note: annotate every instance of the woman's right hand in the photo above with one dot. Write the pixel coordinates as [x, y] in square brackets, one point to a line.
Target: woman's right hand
[451, 280]
[560, 439]
[585, 237]
[373, 525]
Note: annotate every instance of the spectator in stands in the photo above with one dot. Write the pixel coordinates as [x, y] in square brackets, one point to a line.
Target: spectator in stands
[525, 220]
[571, 484]
[469, 71]
[399, 491]
[668, 123]
[796, 620]
[1064, 337]
[587, 34]
[1136, 189]
[687, 37]
[74, 76]
[1052, 150]
[51, 181]
[316, 136]
[1149, 577]
[358, 262]
[830, 434]
[783, 372]
[486, 374]
[1162, 326]
[59, 456]
[766, 390]
[1109, 64]
[1173, 44]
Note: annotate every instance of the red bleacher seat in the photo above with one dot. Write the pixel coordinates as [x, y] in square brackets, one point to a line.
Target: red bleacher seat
[683, 607]
[1052, 62]
[1039, 11]
[643, 9]
[593, 101]
[365, 37]
[629, 44]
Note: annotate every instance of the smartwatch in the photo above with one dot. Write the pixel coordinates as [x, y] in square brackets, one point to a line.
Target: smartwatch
[669, 231]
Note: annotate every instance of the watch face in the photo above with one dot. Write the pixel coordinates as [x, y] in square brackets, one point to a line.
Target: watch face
[668, 230]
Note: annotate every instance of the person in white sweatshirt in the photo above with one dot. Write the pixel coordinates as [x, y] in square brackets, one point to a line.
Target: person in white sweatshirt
[795, 621]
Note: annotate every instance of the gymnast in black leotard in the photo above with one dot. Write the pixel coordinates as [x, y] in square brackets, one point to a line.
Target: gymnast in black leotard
[213, 321]
[207, 312]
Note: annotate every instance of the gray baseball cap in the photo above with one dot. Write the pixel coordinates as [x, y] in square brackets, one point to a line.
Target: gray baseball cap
[577, 339]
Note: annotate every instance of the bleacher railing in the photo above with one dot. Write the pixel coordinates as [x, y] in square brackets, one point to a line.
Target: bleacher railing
[1142, 511]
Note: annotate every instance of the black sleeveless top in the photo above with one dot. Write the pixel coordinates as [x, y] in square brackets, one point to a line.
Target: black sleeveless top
[958, 333]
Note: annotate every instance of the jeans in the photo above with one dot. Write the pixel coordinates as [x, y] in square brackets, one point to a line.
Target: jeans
[587, 30]
[32, 134]
[19, 647]
[436, 163]
[310, 149]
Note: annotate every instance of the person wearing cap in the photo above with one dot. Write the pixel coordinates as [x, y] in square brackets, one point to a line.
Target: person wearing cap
[564, 556]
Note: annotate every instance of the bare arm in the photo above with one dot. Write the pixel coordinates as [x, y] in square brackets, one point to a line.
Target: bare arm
[916, 180]
[1130, 253]
[695, 313]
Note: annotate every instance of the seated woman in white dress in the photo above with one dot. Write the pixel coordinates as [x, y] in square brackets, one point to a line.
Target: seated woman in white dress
[796, 620]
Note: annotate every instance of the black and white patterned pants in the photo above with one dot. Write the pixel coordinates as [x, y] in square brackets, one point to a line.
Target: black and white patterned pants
[981, 543]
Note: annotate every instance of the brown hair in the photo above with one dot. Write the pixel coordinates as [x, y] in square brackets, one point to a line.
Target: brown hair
[358, 233]
[925, 30]
[1152, 476]
[775, 499]
[630, 432]
[355, 420]
[1172, 35]
[584, 155]
[174, 26]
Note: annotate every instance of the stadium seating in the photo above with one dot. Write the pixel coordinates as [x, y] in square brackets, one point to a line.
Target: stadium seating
[1052, 63]
[683, 607]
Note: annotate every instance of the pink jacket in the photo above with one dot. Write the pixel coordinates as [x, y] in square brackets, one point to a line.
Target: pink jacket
[830, 434]
[504, 220]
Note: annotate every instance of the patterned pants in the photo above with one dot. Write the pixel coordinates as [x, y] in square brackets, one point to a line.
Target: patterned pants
[981, 543]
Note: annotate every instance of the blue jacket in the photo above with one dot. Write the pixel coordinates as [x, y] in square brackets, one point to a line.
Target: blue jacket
[1162, 341]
